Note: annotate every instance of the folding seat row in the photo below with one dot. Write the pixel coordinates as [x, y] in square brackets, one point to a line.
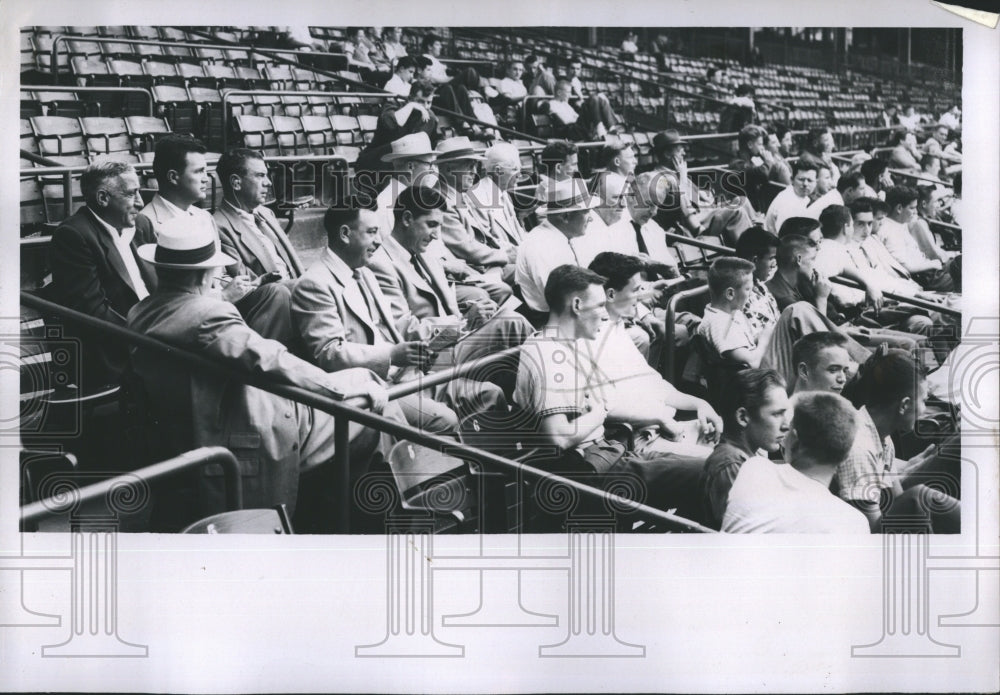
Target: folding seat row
[78, 141]
[307, 134]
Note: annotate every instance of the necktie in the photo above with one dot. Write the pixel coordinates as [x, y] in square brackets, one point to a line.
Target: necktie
[273, 260]
[426, 275]
[384, 330]
[640, 242]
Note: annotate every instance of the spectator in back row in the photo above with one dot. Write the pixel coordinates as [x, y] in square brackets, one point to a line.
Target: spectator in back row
[818, 151]
[794, 200]
[894, 232]
[402, 76]
[415, 116]
[430, 47]
[591, 121]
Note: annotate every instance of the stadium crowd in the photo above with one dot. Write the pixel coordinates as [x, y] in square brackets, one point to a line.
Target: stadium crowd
[794, 395]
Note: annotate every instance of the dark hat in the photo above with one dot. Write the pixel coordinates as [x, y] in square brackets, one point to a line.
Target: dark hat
[668, 138]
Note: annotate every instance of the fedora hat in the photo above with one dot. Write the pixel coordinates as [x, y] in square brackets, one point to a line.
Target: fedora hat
[567, 196]
[186, 242]
[667, 138]
[458, 147]
[413, 146]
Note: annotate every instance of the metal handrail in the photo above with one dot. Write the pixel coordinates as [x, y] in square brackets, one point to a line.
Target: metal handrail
[345, 412]
[34, 512]
[74, 90]
[458, 371]
[930, 306]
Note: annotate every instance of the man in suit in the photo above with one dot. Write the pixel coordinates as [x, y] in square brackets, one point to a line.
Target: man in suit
[95, 269]
[182, 176]
[490, 197]
[414, 282]
[465, 234]
[413, 161]
[274, 439]
[250, 232]
[345, 321]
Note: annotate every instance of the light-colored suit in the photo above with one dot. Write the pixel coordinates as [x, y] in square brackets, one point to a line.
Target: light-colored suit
[468, 235]
[406, 290]
[273, 438]
[244, 244]
[496, 209]
[338, 332]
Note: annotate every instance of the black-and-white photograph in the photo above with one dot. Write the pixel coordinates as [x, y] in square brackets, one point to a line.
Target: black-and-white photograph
[500, 309]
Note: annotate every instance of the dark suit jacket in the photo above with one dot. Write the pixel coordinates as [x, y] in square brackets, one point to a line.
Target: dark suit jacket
[241, 243]
[89, 276]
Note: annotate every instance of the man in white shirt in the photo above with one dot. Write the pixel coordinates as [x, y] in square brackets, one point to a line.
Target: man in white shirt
[794, 200]
[556, 382]
[511, 87]
[794, 497]
[621, 363]
[833, 260]
[894, 232]
[431, 48]
[399, 83]
[558, 240]
[826, 193]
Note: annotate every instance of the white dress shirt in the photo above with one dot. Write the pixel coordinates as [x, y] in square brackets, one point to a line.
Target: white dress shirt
[123, 245]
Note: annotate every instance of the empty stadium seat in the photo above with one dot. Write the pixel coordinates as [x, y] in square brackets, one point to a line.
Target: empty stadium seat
[144, 131]
[319, 134]
[175, 104]
[58, 136]
[258, 134]
[290, 134]
[105, 136]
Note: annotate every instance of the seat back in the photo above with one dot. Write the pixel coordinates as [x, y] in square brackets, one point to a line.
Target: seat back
[105, 135]
[58, 135]
[258, 134]
[145, 130]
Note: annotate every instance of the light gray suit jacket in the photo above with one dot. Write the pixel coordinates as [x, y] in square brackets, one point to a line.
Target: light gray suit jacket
[338, 333]
[406, 290]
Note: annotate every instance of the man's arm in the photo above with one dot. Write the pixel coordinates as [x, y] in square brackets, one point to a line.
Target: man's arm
[461, 242]
[565, 433]
[317, 319]
[896, 246]
[222, 333]
[74, 271]
[388, 281]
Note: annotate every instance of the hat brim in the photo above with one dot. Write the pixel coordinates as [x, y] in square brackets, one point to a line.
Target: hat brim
[590, 205]
[147, 252]
[393, 156]
[461, 154]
